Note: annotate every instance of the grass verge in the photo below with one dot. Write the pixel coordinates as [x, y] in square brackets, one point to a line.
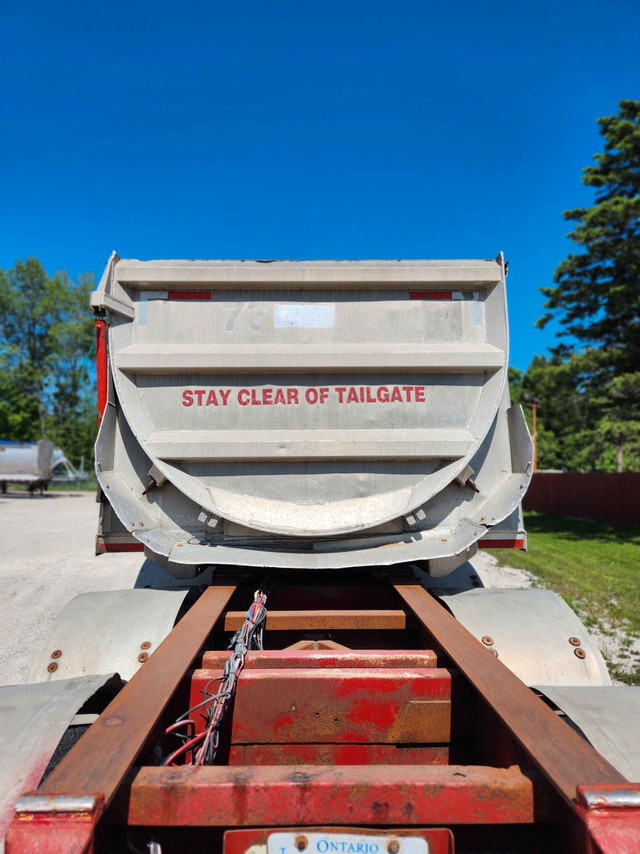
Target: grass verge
[594, 566]
[89, 485]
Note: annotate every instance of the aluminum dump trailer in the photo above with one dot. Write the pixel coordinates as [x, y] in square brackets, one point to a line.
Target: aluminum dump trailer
[30, 463]
[323, 444]
[309, 415]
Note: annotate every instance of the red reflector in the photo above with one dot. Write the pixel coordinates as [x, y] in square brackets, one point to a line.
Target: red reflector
[123, 547]
[500, 544]
[182, 295]
[430, 294]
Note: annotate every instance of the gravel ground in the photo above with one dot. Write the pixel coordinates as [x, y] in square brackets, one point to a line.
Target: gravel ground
[47, 558]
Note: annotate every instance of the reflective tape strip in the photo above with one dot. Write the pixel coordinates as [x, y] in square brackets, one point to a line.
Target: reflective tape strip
[430, 294]
[500, 544]
[143, 305]
[189, 295]
[123, 547]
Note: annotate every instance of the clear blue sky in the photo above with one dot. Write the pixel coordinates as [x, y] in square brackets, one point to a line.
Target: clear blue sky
[285, 129]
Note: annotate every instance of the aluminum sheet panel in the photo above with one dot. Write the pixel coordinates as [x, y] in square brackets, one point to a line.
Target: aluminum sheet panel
[107, 632]
[608, 716]
[33, 719]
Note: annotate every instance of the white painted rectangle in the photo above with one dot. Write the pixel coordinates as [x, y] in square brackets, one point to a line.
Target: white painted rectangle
[304, 315]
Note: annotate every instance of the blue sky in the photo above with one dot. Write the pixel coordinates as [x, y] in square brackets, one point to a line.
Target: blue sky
[289, 129]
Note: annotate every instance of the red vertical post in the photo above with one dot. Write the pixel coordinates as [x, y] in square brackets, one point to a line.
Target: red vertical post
[101, 365]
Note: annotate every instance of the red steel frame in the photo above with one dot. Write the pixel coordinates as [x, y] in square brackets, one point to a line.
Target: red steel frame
[101, 365]
[335, 738]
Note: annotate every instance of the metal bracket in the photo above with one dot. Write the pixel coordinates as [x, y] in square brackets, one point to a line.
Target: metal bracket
[209, 519]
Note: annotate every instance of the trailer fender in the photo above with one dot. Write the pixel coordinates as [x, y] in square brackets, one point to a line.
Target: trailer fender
[609, 716]
[33, 719]
[111, 631]
[533, 632]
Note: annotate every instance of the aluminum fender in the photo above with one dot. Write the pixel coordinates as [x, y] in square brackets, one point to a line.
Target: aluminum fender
[33, 719]
[609, 717]
[534, 633]
[112, 631]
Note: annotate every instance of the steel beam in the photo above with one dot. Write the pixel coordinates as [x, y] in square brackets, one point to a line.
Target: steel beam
[102, 757]
[99, 762]
[563, 756]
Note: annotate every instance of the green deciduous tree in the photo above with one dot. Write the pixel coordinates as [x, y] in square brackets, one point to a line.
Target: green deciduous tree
[596, 295]
[46, 385]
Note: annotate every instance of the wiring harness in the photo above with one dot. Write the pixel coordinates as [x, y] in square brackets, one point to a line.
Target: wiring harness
[201, 748]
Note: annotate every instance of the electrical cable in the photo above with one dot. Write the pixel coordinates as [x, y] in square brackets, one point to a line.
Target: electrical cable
[201, 749]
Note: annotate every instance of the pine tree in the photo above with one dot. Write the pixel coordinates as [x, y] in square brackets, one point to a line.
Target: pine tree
[597, 291]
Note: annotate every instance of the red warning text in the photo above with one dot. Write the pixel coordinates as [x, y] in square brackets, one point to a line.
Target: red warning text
[312, 395]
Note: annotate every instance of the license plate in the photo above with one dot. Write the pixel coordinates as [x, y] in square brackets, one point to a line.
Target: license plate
[345, 843]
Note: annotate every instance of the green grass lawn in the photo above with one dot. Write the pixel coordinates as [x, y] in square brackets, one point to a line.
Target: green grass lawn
[90, 485]
[594, 566]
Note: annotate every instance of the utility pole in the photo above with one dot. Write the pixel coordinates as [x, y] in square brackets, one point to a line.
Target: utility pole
[534, 407]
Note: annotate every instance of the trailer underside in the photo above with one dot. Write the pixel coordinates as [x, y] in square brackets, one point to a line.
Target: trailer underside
[370, 712]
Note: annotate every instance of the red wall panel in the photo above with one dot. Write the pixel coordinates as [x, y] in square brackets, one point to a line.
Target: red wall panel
[605, 496]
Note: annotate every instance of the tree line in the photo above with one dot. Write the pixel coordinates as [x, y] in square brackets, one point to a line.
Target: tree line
[47, 373]
[586, 390]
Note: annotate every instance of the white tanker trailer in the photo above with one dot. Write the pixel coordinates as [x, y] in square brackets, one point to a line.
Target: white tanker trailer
[28, 463]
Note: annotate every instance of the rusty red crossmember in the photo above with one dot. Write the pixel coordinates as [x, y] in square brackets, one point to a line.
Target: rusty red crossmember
[336, 706]
[311, 794]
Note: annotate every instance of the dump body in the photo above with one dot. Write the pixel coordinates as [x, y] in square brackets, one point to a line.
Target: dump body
[26, 462]
[309, 414]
